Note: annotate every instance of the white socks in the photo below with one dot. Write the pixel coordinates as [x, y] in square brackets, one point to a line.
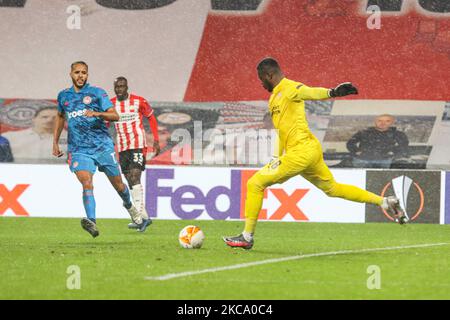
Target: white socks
[135, 215]
[137, 193]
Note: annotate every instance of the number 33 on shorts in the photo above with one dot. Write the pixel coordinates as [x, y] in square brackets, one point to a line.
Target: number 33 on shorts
[138, 157]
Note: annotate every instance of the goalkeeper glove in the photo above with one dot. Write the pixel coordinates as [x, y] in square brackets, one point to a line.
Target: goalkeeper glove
[344, 89]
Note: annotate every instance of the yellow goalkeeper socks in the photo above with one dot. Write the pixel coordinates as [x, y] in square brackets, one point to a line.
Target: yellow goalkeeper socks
[253, 204]
[354, 193]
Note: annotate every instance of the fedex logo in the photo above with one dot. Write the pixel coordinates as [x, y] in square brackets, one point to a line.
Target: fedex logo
[189, 201]
[288, 202]
[185, 196]
[9, 199]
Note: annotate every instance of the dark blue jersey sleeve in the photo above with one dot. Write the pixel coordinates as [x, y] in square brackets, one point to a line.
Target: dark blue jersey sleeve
[104, 101]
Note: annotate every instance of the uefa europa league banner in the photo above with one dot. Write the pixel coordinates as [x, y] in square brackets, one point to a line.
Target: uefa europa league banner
[419, 193]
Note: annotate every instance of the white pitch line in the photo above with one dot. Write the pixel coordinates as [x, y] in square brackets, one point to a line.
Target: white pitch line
[276, 260]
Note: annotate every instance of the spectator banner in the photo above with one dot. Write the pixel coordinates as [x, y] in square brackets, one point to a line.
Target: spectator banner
[27, 125]
[207, 50]
[354, 133]
[419, 193]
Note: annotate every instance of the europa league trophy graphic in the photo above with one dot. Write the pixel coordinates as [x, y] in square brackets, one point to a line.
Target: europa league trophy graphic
[401, 186]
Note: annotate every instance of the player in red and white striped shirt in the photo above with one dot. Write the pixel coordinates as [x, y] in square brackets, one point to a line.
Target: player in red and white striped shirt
[131, 139]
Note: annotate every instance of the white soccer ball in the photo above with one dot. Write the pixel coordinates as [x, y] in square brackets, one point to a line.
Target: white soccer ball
[191, 237]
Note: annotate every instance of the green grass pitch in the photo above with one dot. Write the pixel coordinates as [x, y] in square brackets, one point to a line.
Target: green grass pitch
[35, 254]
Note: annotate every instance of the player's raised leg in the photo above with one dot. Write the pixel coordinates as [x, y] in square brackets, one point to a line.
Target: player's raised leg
[320, 175]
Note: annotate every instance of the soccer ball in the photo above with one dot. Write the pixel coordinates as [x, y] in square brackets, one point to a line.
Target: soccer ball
[191, 237]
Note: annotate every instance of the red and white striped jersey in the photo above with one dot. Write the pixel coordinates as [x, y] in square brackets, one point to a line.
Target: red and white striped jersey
[130, 127]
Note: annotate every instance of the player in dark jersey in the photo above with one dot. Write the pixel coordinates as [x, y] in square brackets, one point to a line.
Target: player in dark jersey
[89, 144]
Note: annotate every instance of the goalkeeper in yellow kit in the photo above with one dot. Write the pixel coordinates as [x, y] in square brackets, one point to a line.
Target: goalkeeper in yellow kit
[299, 151]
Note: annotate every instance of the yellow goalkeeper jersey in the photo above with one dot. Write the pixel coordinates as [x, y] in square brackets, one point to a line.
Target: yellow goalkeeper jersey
[287, 108]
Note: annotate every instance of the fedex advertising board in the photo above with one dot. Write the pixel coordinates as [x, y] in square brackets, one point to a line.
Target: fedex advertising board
[219, 193]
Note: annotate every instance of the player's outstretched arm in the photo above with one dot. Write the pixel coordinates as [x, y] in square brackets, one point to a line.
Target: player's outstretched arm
[59, 125]
[343, 89]
[303, 92]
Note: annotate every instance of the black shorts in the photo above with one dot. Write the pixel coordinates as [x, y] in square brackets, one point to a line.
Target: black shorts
[132, 159]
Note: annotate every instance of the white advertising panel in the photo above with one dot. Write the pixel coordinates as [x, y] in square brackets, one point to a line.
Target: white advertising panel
[53, 191]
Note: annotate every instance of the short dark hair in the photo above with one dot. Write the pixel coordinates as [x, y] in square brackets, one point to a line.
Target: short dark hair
[78, 62]
[121, 78]
[267, 65]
